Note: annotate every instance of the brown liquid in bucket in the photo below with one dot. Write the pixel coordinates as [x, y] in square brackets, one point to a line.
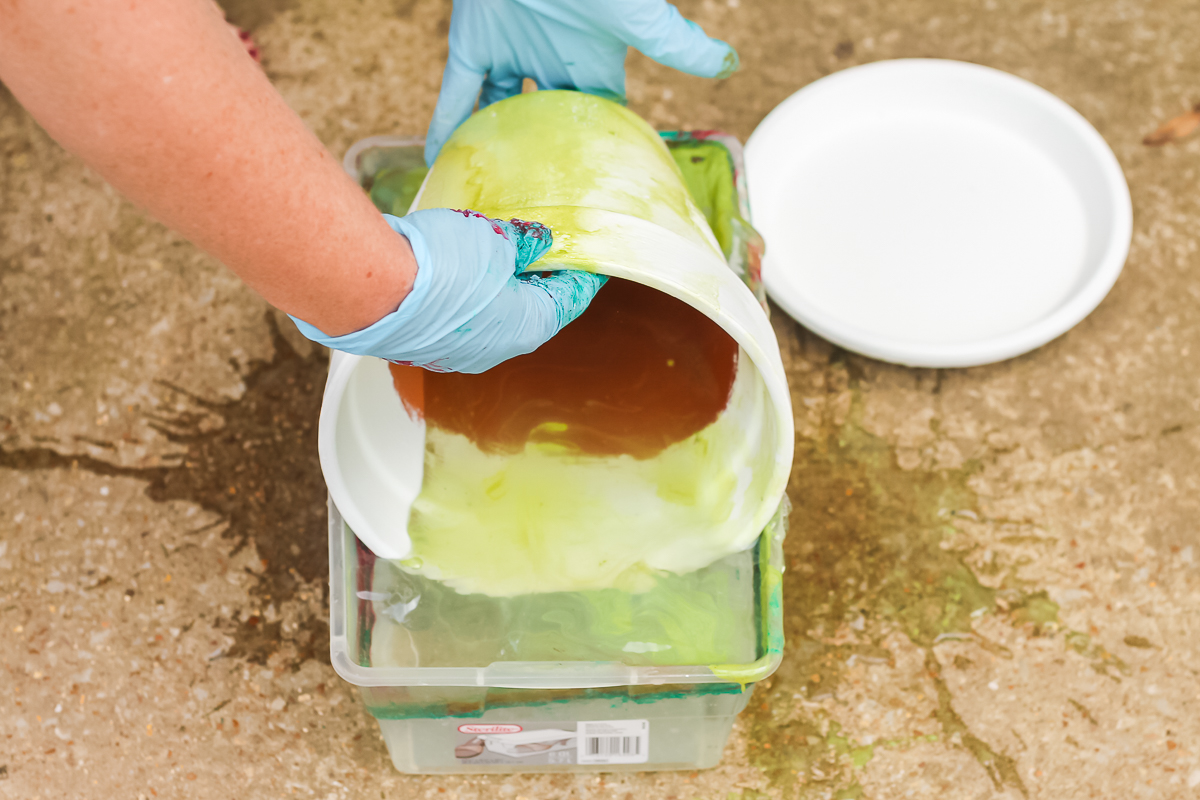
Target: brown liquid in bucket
[636, 373]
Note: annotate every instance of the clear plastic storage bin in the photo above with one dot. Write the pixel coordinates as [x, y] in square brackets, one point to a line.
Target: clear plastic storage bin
[639, 713]
[570, 681]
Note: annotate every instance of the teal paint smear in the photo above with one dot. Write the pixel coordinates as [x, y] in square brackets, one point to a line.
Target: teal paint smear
[571, 291]
[532, 240]
[454, 702]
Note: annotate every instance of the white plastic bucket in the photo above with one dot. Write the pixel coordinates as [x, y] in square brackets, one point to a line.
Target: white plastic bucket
[601, 179]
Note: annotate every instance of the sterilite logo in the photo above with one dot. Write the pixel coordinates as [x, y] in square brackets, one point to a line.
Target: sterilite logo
[490, 728]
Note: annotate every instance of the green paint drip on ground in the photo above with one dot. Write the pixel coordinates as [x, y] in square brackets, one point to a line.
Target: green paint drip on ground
[1103, 661]
[1002, 769]
[865, 549]
[1082, 709]
[1037, 609]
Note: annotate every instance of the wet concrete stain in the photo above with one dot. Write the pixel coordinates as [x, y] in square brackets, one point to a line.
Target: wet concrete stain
[864, 548]
[258, 469]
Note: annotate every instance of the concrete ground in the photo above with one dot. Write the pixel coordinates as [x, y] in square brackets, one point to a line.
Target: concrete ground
[994, 573]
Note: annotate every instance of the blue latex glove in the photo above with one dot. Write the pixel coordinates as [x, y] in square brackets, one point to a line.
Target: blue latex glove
[561, 44]
[469, 309]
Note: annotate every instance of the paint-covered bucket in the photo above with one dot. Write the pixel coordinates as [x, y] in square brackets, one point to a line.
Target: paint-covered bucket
[608, 188]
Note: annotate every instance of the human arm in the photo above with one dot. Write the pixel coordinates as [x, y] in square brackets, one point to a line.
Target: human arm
[161, 100]
[164, 103]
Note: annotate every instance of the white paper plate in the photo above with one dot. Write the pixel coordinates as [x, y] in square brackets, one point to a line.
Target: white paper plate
[936, 213]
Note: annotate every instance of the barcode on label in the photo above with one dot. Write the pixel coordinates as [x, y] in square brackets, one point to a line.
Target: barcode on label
[613, 746]
[619, 741]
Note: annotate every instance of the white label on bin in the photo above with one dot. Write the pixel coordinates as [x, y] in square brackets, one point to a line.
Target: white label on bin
[530, 744]
[614, 741]
[487, 744]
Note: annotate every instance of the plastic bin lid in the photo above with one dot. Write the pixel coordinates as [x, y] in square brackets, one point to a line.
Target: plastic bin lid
[935, 213]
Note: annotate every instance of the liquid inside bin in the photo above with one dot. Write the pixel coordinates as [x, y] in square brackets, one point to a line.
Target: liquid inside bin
[702, 617]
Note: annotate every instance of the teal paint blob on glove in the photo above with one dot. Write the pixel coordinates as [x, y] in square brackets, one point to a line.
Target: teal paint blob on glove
[561, 44]
[469, 308]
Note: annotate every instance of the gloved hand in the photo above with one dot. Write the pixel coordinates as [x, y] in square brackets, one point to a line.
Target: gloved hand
[561, 44]
[468, 310]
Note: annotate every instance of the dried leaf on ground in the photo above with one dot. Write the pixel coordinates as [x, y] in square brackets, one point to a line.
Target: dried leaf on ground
[1175, 129]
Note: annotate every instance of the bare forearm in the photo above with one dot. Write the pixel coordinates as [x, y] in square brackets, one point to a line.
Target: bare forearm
[160, 99]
